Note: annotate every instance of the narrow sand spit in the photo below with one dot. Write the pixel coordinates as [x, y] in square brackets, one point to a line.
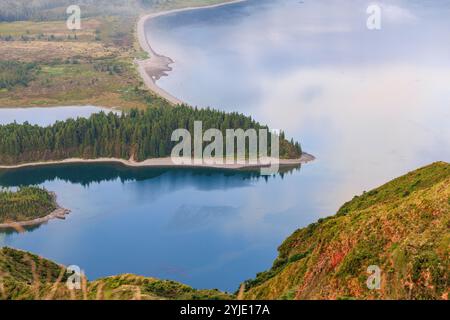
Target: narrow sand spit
[157, 65]
[151, 70]
[164, 163]
[58, 213]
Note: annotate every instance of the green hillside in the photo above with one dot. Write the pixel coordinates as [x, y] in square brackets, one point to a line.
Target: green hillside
[402, 227]
[25, 276]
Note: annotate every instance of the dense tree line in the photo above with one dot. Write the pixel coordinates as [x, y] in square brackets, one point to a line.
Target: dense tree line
[137, 135]
[27, 203]
[14, 73]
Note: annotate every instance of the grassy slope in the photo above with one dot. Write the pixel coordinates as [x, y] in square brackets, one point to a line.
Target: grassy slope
[106, 38]
[402, 226]
[27, 276]
[27, 203]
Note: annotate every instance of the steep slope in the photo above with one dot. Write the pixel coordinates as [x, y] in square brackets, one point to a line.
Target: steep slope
[26, 276]
[402, 227]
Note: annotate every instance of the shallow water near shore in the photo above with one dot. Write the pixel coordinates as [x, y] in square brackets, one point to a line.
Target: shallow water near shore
[369, 106]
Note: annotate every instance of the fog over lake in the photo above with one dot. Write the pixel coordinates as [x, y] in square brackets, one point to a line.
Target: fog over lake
[370, 105]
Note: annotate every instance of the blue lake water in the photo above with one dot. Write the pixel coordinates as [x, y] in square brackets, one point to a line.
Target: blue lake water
[370, 105]
[207, 228]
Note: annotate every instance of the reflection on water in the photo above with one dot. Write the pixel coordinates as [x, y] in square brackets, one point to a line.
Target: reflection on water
[86, 174]
[205, 227]
[9, 231]
[173, 179]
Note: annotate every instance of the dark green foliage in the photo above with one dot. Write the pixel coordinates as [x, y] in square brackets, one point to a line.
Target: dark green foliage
[137, 135]
[262, 277]
[26, 203]
[16, 73]
[297, 257]
[7, 38]
[25, 276]
[279, 264]
[167, 289]
[355, 261]
[109, 66]
[18, 265]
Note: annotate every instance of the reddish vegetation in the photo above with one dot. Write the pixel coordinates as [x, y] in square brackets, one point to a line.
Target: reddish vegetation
[401, 227]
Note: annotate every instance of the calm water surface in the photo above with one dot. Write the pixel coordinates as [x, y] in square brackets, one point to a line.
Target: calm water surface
[370, 105]
[206, 228]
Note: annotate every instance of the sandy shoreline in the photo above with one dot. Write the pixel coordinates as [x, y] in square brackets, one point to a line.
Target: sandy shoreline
[58, 213]
[158, 65]
[161, 163]
[151, 70]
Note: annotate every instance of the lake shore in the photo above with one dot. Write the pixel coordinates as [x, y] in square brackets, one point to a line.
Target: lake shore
[157, 65]
[58, 213]
[163, 163]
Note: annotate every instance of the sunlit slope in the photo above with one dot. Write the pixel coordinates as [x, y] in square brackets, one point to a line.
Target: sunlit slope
[402, 227]
[26, 276]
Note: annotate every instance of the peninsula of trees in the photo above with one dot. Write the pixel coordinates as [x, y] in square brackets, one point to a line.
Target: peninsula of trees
[137, 135]
[27, 203]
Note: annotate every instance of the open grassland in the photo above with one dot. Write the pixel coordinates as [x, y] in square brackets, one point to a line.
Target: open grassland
[103, 81]
[46, 51]
[51, 30]
[94, 65]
